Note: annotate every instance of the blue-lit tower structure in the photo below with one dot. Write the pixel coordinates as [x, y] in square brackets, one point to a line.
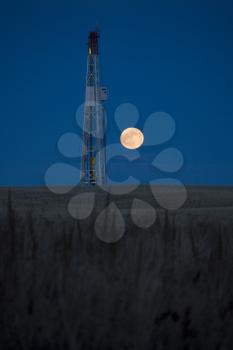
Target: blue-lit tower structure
[93, 164]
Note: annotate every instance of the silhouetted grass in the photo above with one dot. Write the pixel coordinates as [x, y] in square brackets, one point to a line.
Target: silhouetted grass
[166, 287]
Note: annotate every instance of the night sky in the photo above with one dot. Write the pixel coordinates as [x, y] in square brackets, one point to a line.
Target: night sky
[174, 56]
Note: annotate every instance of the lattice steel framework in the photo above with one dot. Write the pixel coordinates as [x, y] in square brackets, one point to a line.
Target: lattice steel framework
[93, 166]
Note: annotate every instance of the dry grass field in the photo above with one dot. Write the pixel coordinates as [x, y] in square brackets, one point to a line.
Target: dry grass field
[169, 286]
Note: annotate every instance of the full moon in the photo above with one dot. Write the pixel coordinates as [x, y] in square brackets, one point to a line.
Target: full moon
[131, 138]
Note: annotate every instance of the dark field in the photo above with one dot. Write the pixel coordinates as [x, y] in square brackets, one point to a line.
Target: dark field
[166, 287]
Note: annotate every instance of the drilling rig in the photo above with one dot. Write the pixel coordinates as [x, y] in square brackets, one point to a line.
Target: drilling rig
[93, 163]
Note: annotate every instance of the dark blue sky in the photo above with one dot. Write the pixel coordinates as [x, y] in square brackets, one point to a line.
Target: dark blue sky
[166, 55]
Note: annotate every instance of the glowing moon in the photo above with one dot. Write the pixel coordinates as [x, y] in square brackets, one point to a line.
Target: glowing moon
[131, 138]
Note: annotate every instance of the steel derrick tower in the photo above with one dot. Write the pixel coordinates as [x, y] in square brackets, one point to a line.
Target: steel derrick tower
[93, 165]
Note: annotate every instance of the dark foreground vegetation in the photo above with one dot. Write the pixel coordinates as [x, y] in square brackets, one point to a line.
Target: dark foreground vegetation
[166, 287]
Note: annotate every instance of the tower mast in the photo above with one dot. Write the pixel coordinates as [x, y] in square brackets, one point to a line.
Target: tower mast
[93, 166]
